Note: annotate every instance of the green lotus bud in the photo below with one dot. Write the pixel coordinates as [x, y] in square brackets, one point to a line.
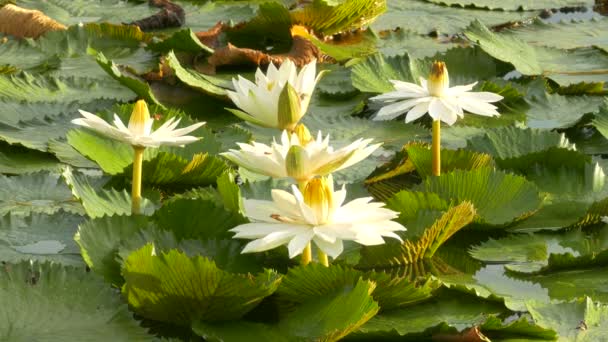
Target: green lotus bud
[290, 111]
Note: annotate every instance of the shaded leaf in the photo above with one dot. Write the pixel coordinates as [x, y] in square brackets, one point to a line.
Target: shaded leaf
[70, 304]
[39, 237]
[172, 287]
[411, 252]
[41, 192]
[98, 202]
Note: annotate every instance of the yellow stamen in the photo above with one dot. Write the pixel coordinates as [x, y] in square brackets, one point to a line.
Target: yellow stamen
[303, 134]
[139, 118]
[318, 195]
[439, 80]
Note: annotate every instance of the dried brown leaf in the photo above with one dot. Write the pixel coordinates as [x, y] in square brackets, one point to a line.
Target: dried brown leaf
[302, 52]
[211, 36]
[24, 23]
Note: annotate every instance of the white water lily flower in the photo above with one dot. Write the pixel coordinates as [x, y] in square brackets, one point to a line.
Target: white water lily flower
[139, 131]
[319, 216]
[298, 156]
[436, 98]
[259, 101]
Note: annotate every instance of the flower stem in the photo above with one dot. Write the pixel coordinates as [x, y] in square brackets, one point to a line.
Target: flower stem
[138, 159]
[436, 148]
[323, 260]
[307, 254]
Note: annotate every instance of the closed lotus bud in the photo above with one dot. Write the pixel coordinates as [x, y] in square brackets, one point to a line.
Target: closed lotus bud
[318, 194]
[290, 109]
[140, 122]
[295, 163]
[439, 79]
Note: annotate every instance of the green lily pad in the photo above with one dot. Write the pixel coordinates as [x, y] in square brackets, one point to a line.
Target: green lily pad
[71, 304]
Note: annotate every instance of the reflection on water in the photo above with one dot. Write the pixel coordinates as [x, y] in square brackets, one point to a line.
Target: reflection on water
[518, 291]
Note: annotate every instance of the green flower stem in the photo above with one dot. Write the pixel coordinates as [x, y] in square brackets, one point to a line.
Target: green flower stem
[323, 258]
[136, 184]
[436, 148]
[307, 252]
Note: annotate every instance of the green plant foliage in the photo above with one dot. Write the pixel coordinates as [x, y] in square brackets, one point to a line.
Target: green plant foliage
[579, 320]
[511, 142]
[183, 40]
[373, 74]
[74, 12]
[466, 65]
[204, 83]
[305, 283]
[17, 160]
[563, 66]
[98, 202]
[424, 17]
[39, 237]
[172, 287]
[516, 5]
[356, 46]
[529, 186]
[392, 43]
[269, 29]
[41, 192]
[411, 252]
[70, 304]
[550, 111]
[600, 122]
[440, 316]
[28, 87]
[111, 156]
[564, 35]
[518, 198]
[327, 17]
[212, 220]
[167, 169]
[128, 79]
[524, 326]
[326, 318]
[421, 158]
[14, 111]
[417, 210]
[100, 239]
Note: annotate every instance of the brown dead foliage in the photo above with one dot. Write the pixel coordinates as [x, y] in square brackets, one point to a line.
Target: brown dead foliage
[211, 36]
[170, 15]
[24, 23]
[302, 52]
[470, 335]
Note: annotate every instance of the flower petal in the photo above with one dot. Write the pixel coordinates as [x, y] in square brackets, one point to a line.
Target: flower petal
[331, 249]
[416, 112]
[393, 110]
[299, 242]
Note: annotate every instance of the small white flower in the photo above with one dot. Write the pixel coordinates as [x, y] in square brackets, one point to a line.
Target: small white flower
[435, 97]
[139, 131]
[259, 101]
[318, 215]
[298, 159]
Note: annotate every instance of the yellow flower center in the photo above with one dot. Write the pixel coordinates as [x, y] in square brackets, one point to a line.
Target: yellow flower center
[318, 195]
[270, 85]
[303, 134]
[439, 80]
[140, 117]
